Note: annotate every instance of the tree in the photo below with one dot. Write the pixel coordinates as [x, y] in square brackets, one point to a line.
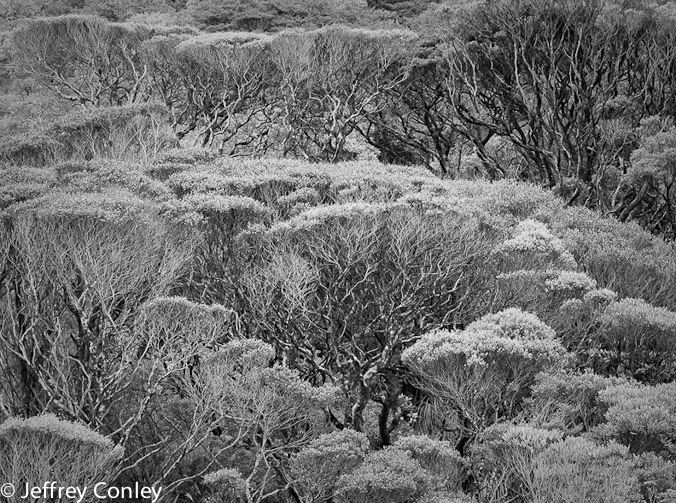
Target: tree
[74, 277]
[330, 82]
[481, 375]
[649, 181]
[415, 124]
[82, 59]
[158, 421]
[342, 290]
[215, 86]
[563, 81]
[88, 332]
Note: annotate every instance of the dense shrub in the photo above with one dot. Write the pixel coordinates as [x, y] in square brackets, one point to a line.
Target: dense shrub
[482, 374]
[577, 469]
[44, 447]
[570, 401]
[82, 58]
[502, 460]
[657, 477]
[257, 15]
[641, 417]
[439, 458]
[339, 274]
[388, 476]
[642, 337]
[270, 410]
[318, 466]
[225, 484]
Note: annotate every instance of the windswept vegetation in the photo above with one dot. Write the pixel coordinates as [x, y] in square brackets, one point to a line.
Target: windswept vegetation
[318, 251]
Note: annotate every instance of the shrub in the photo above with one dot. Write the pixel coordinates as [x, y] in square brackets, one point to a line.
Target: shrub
[191, 156]
[621, 256]
[569, 401]
[225, 484]
[112, 206]
[270, 410]
[535, 243]
[641, 338]
[502, 459]
[375, 271]
[577, 469]
[93, 260]
[19, 192]
[439, 458]
[642, 417]
[484, 372]
[45, 448]
[444, 497]
[317, 467]
[103, 175]
[133, 132]
[83, 59]
[538, 273]
[36, 148]
[657, 477]
[388, 476]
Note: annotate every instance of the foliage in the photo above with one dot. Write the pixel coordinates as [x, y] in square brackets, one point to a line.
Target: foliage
[576, 469]
[226, 485]
[657, 477]
[44, 447]
[641, 417]
[570, 401]
[317, 467]
[502, 460]
[271, 408]
[358, 283]
[651, 176]
[330, 80]
[439, 458]
[259, 15]
[391, 476]
[130, 132]
[82, 58]
[230, 314]
[483, 373]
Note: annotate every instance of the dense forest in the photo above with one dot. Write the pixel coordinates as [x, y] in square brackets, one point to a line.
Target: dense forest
[325, 251]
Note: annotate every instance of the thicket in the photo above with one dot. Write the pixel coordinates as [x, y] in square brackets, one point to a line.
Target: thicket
[299, 261]
[575, 96]
[272, 330]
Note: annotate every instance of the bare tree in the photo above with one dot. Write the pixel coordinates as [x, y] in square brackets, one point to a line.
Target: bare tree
[341, 300]
[330, 81]
[83, 59]
[555, 79]
[87, 332]
[214, 84]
